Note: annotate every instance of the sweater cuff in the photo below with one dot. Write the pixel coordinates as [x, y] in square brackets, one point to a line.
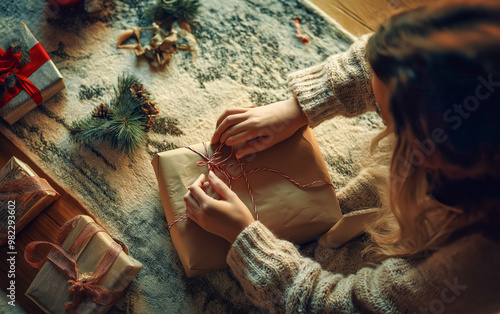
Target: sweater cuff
[256, 253]
[339, 86]
[313, 90]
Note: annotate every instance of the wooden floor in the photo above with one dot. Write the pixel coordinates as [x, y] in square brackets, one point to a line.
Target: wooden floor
[363, 16]
[45, 227]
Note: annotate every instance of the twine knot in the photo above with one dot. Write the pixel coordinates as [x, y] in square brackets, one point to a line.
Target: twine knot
[77, 286]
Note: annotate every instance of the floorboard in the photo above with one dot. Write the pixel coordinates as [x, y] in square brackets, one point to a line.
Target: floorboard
[363, 16]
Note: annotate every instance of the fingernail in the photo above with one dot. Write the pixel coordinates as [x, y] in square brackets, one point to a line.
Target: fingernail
[211, 173]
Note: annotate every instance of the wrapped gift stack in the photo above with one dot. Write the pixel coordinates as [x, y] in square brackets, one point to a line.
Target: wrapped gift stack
[86, 271]
[291, 210]
[27, 75]
[21, 188]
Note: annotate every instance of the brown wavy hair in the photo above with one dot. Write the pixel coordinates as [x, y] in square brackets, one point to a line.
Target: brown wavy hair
[441, 63]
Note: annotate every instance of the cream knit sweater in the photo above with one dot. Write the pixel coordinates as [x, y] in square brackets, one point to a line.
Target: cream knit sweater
[461, 277]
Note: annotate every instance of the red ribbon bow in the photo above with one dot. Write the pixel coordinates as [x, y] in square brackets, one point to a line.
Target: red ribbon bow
[10, 65]
[85, 287]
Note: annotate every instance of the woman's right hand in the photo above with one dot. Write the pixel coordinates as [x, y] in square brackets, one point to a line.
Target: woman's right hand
[256, 129]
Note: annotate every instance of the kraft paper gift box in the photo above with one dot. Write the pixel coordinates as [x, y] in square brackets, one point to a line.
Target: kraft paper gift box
[49, 289]
[29, 201]
[297, 214]
[41, 71]
[347, 228]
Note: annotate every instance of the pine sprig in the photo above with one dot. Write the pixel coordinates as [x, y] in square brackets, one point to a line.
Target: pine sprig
[89, 130]
[125, 125]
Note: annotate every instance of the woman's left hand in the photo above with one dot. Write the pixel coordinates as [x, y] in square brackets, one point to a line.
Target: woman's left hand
[221, 213]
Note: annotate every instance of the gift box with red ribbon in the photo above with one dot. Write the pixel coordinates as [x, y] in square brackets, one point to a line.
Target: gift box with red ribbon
[23, 195]
[286, 186]
[86, 271]
[35, 81]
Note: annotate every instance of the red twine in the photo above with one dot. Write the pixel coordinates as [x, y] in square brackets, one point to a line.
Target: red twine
[10, 65]
[217, 162]
[85, 287]
[298, 32]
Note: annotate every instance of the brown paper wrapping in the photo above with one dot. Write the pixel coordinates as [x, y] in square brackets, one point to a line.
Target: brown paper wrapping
[299, 215]
[27, 206]
[47, 78]
[49, 289]
[347, 228]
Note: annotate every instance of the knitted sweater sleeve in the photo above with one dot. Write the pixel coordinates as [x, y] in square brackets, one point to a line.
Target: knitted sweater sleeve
[276, 277]
[339, 86]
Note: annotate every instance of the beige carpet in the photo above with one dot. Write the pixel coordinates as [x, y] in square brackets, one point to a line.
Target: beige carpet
[246, 50]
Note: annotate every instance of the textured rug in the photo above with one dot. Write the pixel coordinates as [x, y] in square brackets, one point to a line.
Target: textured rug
[246, 50]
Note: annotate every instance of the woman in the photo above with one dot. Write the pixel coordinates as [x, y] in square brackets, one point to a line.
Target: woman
[433, 73]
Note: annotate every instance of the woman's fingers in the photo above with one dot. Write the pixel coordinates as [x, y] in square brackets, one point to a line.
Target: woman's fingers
[240, 138]
[199, 181]
[258, 145]
[191, 201]
[197, 194]
[219, 186]
[233, 130]
[226, 124]
[229, 112]
[212, 193]
[191, 214]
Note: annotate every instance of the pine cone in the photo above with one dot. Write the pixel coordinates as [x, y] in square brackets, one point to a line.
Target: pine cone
[150, 108]
[149, 124]
[138, 90]
[100, 111]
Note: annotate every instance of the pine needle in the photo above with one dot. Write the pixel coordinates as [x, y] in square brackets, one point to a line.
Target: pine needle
[125, 126]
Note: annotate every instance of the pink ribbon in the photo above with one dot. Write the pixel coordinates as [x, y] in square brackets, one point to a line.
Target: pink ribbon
[14, 189]
[218, 162]
[28, 185]
[65, 261]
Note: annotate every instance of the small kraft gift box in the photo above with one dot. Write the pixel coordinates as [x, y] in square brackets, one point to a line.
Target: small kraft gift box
[86, 271]
[28, 76]
[23, 195]
[286, 186]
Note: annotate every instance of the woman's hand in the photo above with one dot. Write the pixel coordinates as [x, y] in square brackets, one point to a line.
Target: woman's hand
[221, 213]
[256, 129]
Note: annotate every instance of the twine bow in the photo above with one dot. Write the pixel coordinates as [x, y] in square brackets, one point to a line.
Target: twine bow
[15, 189]
[218, 162]
[86, 286]
[10, 65]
